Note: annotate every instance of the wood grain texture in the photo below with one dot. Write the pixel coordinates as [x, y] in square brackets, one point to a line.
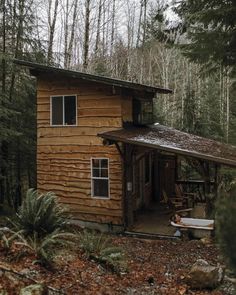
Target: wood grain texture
[127, 113]
[64, 153]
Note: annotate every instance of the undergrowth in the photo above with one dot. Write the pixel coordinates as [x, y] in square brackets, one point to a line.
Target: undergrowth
[100, 248]
[38, 226]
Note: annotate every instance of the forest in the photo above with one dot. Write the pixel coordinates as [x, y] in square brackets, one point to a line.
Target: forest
[188, 46]
[172, 44]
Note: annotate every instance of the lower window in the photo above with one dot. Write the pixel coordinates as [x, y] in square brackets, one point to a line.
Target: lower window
[100, 177]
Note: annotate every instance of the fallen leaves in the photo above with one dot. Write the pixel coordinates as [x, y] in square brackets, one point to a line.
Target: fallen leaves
[154, 267]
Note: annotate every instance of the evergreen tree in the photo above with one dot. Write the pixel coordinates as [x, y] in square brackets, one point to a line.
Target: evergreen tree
[18, 38]
[211, 31]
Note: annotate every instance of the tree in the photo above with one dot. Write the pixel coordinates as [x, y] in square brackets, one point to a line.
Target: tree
[17, 106]
[210, 27]
[52, 18]
[226, 225]
[86, 34]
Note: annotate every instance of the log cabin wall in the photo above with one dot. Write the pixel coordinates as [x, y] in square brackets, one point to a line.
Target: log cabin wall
[64, 153]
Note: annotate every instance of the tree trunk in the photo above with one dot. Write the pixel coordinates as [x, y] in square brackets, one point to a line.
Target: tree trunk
[97, 42]
[51, 24]
[113, 26]
[72, 35]
[139, 24]
[86, 35]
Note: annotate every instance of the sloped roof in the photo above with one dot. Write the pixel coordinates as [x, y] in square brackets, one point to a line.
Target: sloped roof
[171, 140]
[40, 68]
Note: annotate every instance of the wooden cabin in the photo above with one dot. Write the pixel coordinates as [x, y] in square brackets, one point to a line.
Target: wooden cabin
[97, 151]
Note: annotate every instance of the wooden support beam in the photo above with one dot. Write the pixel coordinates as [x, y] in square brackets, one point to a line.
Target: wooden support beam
[128, 177]
[119, 150]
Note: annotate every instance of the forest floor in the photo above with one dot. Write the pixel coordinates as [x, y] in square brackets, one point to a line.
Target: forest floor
[154, 267]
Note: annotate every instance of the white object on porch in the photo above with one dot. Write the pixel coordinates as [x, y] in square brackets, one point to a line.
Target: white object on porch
[199, 227]
[195, 223]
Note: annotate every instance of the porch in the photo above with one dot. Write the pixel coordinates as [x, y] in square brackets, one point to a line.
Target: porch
[161, 165]
[153, 220]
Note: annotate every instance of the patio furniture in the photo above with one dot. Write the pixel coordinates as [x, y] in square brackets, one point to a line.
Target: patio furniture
[189, 197]
[174, 203]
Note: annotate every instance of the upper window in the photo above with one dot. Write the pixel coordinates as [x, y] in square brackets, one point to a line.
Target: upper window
[63, 110]
[142, 112]
[100, 178]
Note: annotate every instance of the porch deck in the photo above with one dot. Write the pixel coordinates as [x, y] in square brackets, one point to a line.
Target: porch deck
[154, 220]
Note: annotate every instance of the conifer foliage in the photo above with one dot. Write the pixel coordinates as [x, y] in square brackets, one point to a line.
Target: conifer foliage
[210, 26]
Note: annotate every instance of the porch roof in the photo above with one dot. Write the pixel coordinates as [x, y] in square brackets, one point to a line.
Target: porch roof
[171, 140]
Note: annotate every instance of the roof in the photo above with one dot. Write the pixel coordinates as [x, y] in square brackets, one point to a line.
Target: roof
[171, 140]
[40, 68]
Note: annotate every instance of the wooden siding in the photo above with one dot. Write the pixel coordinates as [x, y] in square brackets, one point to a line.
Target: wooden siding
[64, 153]
[127, 109]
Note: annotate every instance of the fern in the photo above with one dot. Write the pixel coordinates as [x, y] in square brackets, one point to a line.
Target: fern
[99, 248]
[40, 213]
[93, 243]
[38, 226]
[114, 257]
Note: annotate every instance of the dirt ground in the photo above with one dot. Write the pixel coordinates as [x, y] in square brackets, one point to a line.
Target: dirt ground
[154, 267]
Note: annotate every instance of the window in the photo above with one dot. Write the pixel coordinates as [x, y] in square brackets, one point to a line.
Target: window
[63, 110]
[142, 112]
[147, 168]
[100, 178]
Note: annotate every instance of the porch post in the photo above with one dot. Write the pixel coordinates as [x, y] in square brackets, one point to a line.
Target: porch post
[128, 199]
[216, 182]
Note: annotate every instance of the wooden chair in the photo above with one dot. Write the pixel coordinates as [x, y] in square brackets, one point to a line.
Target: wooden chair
[172, 202]
[188, 197]
[176, 206]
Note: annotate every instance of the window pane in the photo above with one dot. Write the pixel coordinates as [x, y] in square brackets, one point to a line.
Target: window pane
[57, 110]
[96, 163]
[96, 172]
[104, 172]
[100, 188]
[70, 110]
[104, 163]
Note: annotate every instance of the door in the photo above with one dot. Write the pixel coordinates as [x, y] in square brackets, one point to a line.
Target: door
[140, 182]
[167, 175]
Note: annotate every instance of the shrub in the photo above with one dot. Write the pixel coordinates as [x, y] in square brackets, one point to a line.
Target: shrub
[38, 226]
[44, 248]
[39, 214]
[226, 226]
[93, 243]
[99, 248]
[115, 259]
[8, 237]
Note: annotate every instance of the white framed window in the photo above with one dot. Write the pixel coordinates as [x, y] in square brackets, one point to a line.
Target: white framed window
[63, 110]
[100, 178]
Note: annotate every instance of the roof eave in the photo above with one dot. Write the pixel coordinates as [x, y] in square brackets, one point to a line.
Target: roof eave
[94, 78]
[209, 158]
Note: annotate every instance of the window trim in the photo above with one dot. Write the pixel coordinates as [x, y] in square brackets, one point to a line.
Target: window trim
[63, 110]
[107, 178]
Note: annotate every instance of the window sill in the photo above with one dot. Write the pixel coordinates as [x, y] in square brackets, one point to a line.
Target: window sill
[100, 198]
[54, 126]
